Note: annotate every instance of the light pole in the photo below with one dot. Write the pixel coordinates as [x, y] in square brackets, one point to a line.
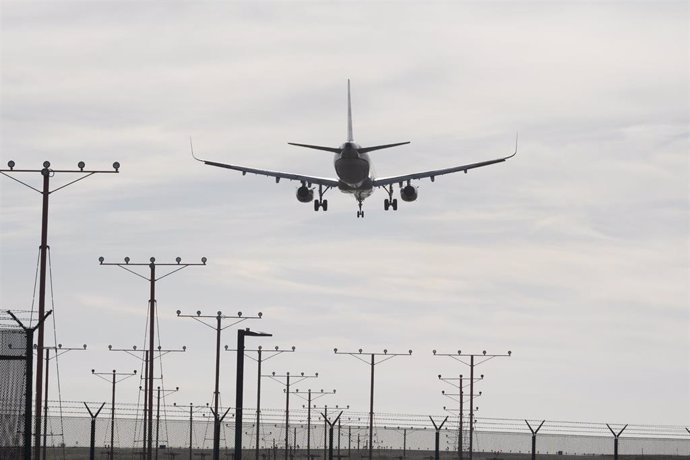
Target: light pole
[59, 351]
[115, 380]
[144, 356]
[461, 357]
[218, 328]
[262, 355]
[404, 435]
[47, 173]
[311, 396]
[151, 279]
[192, 409]
[239, 387]
[460, 384]
[286, 376]
[324, 410]
[158, 409]
[373, 362]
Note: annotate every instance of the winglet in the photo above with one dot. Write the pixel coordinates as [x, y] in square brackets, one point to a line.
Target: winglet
[516, 147]
[191, 146]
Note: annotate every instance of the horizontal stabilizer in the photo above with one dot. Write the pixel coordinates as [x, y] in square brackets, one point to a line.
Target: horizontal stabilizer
[317, 147]
[379, 147]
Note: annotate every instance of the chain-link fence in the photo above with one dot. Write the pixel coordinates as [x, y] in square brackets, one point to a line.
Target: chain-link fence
[12, 392]
[395, 436]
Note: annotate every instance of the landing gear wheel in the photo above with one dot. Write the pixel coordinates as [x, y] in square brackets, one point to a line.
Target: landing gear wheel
[386, 204]
[324, 205]
[394, 204]
[316, 205]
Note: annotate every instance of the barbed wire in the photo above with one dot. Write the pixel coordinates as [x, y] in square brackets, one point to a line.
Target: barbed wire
[395, 421]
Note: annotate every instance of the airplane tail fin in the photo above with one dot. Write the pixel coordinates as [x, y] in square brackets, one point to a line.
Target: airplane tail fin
[380, 147]
[350, 137]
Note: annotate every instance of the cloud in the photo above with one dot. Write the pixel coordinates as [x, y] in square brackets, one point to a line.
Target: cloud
[571, 253]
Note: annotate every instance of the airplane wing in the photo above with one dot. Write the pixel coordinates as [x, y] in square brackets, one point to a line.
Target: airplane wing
[275, 174]
[384, 181]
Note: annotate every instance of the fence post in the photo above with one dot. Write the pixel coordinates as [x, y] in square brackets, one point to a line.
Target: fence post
[92, 444]
[437, 436]
[534, 437]
[615, 439]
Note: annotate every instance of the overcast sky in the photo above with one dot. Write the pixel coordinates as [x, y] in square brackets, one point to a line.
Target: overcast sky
[574, 254]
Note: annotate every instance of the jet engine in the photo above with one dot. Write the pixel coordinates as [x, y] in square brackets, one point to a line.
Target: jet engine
[408, 193]
[305, 194]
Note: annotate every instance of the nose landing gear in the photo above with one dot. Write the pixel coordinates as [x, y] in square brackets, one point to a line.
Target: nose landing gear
[360, 213]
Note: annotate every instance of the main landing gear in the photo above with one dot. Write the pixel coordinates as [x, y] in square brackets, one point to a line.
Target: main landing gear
[390, 202]
[321, 203]
[360, 213]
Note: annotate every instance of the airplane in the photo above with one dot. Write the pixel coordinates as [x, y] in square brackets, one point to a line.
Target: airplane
[353, 168]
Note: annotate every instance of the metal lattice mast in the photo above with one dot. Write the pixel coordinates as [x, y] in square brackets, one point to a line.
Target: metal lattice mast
[47, 173]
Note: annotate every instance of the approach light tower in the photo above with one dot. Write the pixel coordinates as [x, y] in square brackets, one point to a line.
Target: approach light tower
[239, 386]
[311, 396]
[373, 362]
[459, 384]
[151, 279]
[59, 351]
[117, 377]
[45, 192]
[218, 328]
[143, 356]
[461, 357]
[297, 379]
[262, 355]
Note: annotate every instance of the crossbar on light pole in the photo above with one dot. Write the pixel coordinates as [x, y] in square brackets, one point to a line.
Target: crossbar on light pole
[47, 173]
[373, 362]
